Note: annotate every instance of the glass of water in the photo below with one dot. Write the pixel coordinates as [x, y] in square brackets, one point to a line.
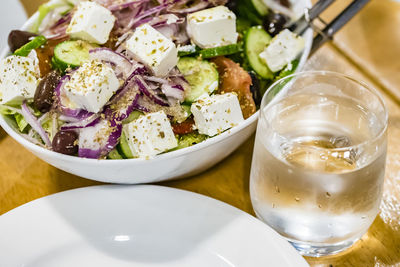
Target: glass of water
[319, 160]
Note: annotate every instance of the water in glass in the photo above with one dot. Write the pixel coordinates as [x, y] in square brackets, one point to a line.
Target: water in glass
[317, 171]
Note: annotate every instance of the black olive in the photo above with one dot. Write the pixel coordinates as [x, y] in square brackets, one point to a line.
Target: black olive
[274, 22]
[232, 5]
[17, 38]
[285, 3]
[65, 142]
[255, 88]
[44, 94]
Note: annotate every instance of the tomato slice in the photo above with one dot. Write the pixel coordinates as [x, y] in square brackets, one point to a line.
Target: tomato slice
[234, 78]
[185, 127]
[45, 54]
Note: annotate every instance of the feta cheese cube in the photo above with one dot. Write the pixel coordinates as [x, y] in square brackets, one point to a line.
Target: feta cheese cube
[153, 49]
[283, 48]
[91, 22]
[91, 86]
[150, 135]
[212, 27]
[217, 113]
[19, 77]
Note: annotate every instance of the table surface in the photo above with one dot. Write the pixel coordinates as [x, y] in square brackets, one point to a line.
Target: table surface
[367, 48]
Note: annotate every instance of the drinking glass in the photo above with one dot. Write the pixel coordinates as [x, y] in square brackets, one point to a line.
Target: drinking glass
[319, 160]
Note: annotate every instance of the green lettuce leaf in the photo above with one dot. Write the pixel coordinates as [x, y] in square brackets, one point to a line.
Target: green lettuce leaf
[48, 127]
[288, 70]
[45, 9]
[16, 119]
[21, 122]
[4, 110]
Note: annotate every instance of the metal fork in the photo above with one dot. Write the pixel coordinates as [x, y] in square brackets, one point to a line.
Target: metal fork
[327, 33]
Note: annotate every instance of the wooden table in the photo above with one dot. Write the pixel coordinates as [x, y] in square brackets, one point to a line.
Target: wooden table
[368, 48]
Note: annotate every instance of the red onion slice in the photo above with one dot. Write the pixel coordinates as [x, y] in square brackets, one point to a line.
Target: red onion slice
[174, 91]
[129, 83]
[122, 39]
[181, 82]
[97, 141]
[57, 33]
[181, 7]
[87, 122]
[146, 90]
[127, 26]
[89, 153]
[125, 105]
[166, 19]
[182, 36]
[169, 31]
[155, 79]
[58, 30]
[141, 18]
[173, 87]
[116, 7]
[33, 122]
[116, 59]
[66, 19]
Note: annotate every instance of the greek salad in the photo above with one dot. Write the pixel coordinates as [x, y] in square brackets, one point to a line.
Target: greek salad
[117, 79]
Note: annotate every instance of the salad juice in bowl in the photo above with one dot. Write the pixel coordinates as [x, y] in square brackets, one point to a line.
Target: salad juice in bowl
[143, 91]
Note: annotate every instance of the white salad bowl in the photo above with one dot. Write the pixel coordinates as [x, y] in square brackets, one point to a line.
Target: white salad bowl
[172, 165]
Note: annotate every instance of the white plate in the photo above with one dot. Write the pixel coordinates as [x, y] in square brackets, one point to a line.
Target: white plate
[138, 226]
[12, 16]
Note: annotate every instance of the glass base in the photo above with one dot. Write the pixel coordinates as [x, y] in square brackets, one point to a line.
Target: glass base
[312, 250]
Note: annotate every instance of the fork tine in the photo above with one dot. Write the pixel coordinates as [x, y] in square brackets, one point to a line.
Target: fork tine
[333, 27]
[302, 24]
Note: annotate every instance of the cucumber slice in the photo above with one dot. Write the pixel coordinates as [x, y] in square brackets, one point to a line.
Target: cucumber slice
[36, 42]
[221, 51]
[123, 146]
[256, 40]
[260, 7]
[202, 76]
[71, 54]
[212, 52]
[125, 149]
[133, 116]
[114, 154]
[191, 139]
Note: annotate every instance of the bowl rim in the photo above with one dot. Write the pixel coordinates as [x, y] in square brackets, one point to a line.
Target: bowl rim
[308, 35]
